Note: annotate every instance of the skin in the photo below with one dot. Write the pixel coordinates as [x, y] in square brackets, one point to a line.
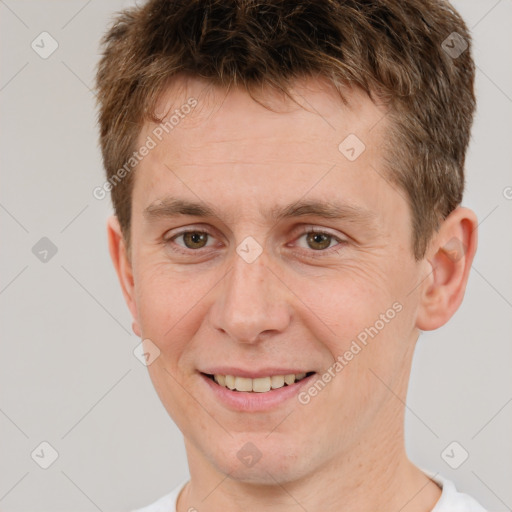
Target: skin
[344, 450]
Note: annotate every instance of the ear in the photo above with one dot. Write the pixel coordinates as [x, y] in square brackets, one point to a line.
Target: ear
[123, 266]
[450, 255]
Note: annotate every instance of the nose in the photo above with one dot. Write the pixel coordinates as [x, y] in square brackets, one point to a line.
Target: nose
[251, 303]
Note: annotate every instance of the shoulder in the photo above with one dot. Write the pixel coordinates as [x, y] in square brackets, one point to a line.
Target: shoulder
[166, 503]
[452, 500]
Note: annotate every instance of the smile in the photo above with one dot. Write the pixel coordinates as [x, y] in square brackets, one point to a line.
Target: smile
[254, 393]
[258, 385]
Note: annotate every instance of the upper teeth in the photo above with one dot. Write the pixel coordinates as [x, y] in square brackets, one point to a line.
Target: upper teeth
[259, 385]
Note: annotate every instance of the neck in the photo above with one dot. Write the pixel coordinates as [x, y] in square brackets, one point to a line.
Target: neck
[356, 481]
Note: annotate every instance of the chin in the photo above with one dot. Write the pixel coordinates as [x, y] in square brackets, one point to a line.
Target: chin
[262, 462]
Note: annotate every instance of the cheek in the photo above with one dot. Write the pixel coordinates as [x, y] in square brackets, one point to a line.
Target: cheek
[364, 317]
[165, 303]
[345, 302]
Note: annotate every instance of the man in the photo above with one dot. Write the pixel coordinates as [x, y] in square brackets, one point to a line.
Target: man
[287, 179]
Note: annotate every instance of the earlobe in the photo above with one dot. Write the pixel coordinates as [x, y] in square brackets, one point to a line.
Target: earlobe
[450, 255]
[136, 329]
[123, 267]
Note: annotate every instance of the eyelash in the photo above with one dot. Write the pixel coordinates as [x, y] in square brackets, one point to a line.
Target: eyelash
[306, 231]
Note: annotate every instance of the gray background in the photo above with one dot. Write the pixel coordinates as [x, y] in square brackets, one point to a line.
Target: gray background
[67, 372]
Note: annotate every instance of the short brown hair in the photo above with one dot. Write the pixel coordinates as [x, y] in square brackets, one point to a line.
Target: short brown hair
[399, 49]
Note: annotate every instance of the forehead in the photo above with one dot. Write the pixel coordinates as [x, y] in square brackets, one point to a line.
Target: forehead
[245, 155]
[233, 119]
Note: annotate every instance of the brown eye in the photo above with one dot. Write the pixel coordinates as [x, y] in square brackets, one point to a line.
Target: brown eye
[195, 239]
[318, 241]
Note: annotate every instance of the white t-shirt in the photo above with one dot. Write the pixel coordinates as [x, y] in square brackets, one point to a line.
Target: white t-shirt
[450, 501]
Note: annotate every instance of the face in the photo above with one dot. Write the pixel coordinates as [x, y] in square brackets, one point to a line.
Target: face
[295, 266]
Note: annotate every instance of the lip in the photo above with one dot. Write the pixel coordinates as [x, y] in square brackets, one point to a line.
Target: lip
[252, 374]
[242, 401]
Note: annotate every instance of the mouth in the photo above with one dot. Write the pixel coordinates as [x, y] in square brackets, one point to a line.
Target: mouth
[257, 393]
[257, 385]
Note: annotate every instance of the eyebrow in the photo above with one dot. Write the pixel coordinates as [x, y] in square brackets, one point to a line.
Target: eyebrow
[171, 207]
